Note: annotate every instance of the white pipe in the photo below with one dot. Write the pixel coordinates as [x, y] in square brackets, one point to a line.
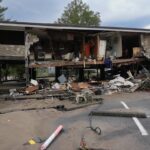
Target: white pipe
[51, 138]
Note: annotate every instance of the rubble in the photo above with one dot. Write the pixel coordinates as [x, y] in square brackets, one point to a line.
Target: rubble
[34, 82]
[62, 79]
[31, 89]
[82, 92]
[85, 95]
[145, 85]
[79, 86]
[146, 55]
[56, 86]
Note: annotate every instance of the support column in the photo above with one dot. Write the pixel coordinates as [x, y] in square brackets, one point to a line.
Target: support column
[32, 73]
[97, 69]
[102, 72]
[83, 52]
[57, 73]
[27, 46]
[0, 73]
[81, 74]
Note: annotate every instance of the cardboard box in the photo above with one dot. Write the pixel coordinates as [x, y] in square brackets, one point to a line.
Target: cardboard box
[137, 51]
[31, 89]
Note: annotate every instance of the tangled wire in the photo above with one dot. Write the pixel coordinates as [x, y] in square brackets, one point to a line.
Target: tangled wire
[97, 130]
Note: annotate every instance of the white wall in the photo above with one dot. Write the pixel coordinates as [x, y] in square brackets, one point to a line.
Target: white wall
[117, 45]
[145, 42]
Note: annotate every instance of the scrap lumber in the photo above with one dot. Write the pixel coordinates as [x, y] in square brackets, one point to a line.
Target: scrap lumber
[120, 113]
[58, 107]
[35, 96]
[25, 109]
[83, 106]
[31, 89]
[24, 97]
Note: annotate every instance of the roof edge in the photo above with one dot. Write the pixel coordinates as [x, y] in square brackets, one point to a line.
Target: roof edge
[70, 27]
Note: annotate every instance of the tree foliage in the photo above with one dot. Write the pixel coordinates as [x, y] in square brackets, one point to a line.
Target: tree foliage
[2, 11]
[79, 13]
[15, 71]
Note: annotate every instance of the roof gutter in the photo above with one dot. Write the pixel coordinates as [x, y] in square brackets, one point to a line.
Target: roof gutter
[22, 27]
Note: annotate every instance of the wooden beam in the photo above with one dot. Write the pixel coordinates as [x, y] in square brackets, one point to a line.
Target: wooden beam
[0, 73]
[60, 63]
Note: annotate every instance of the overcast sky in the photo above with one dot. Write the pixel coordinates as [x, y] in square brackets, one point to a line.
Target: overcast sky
[126, 13]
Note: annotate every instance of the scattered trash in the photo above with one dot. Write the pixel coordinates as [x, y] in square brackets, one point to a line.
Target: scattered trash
[97, 130]
[34, 141]
[34, 82]
[146, 55]
[51, 138]
[120, 84]
[83, 92]
[12, 91]
[62, 79]
[84, 96]
[145, 85]
[56, 86]
[43, 83]
[130, 74]
[83, 144]
[83, 85]
[76, 60]
[68, 56]
[31, 89]
[81, 98]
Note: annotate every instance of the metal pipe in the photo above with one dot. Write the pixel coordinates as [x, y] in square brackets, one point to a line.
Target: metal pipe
[51, 138]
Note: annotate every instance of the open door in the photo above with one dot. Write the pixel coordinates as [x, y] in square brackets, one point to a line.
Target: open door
[130, 41]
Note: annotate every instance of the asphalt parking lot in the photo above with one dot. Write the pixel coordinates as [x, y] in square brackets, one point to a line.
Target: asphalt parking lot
[118, 133]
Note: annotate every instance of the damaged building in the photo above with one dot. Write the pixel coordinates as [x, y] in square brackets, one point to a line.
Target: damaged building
[74, 51]
[57, 81]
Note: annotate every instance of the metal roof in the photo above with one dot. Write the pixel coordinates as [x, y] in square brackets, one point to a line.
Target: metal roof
[21, 26]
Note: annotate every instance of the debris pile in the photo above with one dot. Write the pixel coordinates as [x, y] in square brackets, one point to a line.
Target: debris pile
[65, 88]
[145, 85]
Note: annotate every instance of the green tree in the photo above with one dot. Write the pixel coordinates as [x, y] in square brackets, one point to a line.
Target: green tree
[2, 11]
[79, 13]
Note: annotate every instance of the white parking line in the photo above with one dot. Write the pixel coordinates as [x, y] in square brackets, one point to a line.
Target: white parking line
[137, 122]
[124, 104]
